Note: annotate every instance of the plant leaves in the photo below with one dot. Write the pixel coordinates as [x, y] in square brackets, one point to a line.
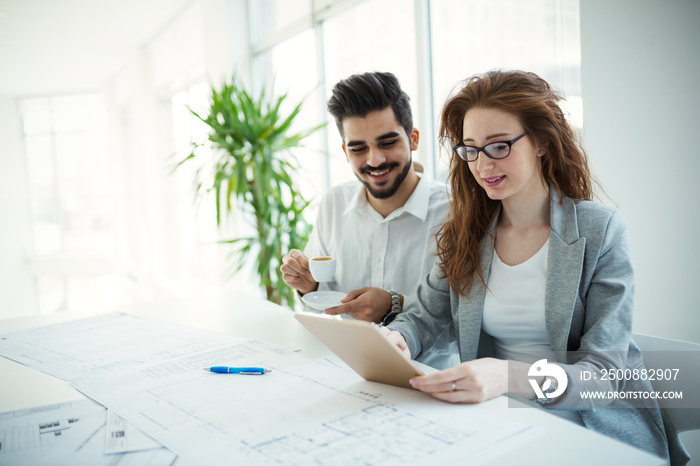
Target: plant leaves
[248, 159]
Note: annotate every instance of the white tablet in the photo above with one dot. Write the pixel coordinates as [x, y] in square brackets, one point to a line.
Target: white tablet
[364, 348]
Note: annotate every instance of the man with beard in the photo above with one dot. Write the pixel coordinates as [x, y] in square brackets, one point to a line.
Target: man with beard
[381, 230]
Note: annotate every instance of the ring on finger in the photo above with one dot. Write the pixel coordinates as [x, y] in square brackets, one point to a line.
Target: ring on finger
[454, 387]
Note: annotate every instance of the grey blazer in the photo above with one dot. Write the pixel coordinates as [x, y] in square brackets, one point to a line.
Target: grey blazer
[589, 302]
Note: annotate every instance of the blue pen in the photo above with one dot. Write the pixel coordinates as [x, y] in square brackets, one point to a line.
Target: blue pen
[238, 370]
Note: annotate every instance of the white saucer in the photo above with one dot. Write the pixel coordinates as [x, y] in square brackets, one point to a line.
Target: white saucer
[322, 300]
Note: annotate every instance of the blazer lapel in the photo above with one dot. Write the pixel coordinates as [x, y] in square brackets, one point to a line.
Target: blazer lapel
[566, 252]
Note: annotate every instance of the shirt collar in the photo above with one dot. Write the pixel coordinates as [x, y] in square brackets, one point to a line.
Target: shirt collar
[358, 199]
[416, 205]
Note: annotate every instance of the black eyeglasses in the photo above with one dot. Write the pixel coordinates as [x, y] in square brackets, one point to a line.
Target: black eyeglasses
[494, 150]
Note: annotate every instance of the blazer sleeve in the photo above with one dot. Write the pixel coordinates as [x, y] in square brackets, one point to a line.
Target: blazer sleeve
[427, 314]
[602, 317]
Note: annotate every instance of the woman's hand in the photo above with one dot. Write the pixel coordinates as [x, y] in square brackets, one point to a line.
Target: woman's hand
[470, 382]
[398, 339]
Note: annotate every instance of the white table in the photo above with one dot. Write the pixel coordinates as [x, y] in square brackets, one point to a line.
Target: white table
[246, 316]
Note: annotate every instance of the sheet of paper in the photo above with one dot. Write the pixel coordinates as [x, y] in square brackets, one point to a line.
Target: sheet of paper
[305, 411]
[66, 434]
[122, 437]
[110, 343]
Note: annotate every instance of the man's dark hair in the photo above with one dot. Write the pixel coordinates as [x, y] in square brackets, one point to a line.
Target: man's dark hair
[361, 94]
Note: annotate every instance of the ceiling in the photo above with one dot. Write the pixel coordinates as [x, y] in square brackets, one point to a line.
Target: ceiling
[50, 47]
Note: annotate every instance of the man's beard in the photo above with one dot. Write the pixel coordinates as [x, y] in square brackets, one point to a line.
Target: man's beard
[386, 193]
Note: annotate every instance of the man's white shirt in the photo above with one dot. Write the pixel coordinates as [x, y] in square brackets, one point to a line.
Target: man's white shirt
[393, 253]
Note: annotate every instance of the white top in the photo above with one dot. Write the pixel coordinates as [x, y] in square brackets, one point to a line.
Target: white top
[514, 307]
[514, 312]
[394, 253]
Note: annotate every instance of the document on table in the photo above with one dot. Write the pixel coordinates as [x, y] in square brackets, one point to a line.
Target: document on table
[122, 437]
[66, 434]
[305, 411]
[109, 343]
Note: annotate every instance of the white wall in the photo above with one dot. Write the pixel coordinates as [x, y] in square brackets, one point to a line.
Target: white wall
[641, 94]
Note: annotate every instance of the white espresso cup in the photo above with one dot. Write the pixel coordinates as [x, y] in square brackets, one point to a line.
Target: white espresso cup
[322, 268]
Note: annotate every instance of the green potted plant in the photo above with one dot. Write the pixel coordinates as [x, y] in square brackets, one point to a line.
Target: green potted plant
[249, 165]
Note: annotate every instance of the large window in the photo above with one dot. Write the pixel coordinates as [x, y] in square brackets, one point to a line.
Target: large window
[190, 223]
[375, 35]
[430, 45]
[290, 67]
[72, 201]
[538, 35]
[193, 258]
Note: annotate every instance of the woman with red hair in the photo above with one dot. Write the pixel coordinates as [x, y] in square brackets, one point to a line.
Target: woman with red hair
[533, 273]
